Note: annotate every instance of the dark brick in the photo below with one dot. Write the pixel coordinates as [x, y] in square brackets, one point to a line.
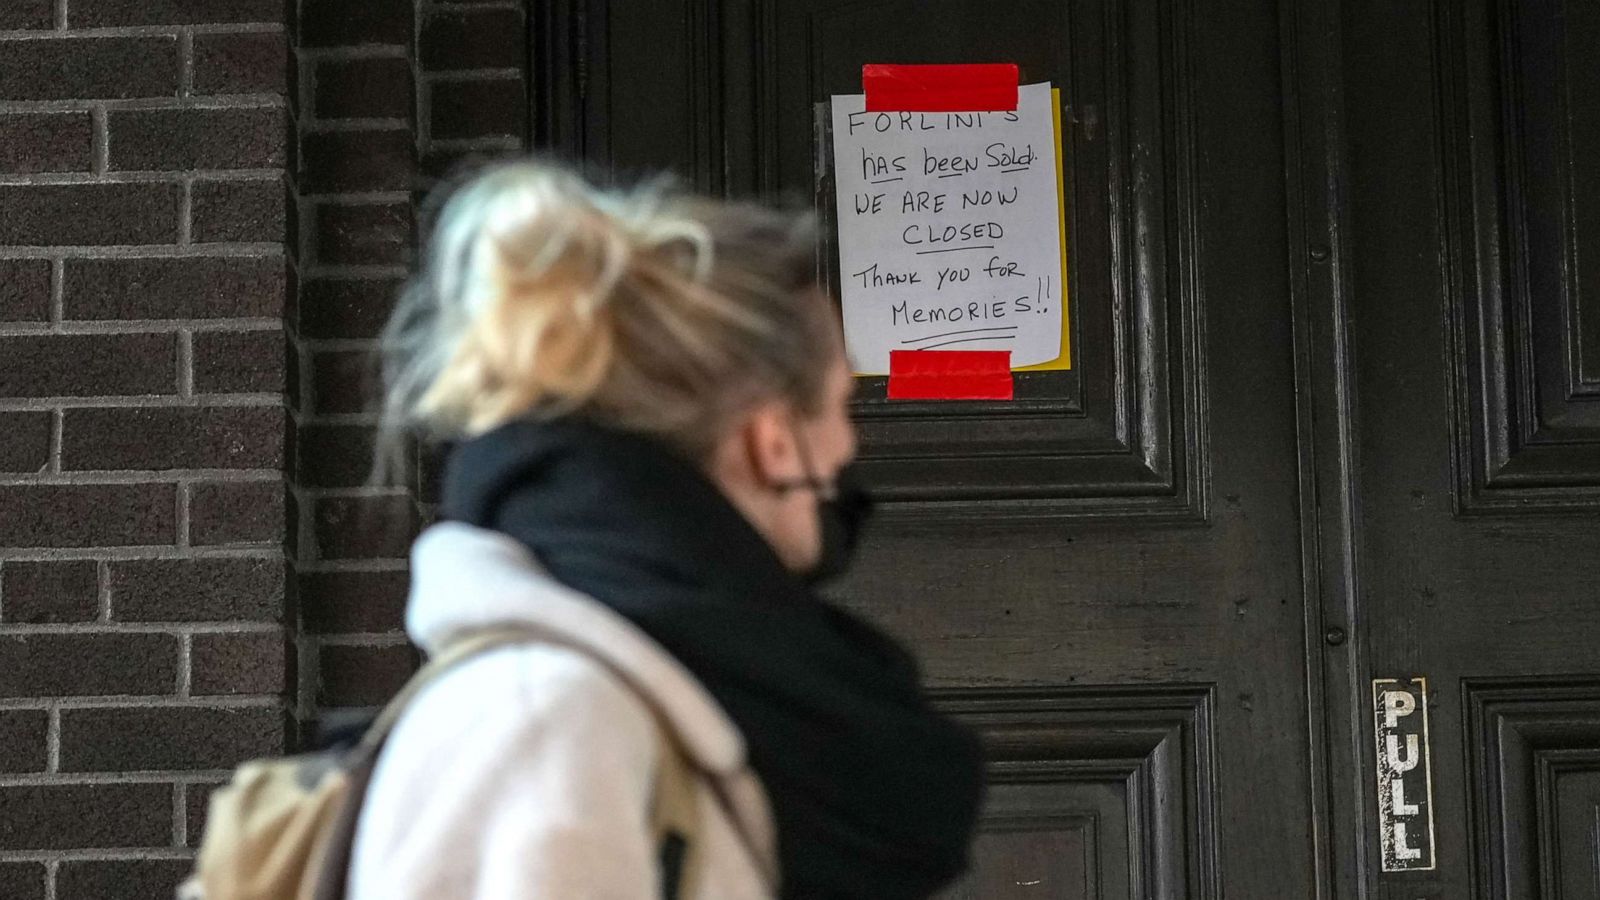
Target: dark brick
[454, 164]
[478, 109]
[291, 524]
[236, 512]
[334, 455]
[457, 39]
[22, 743]
[428, 514]
[367, 88]
[24, 441]
[239, 664]
[37, 593]
[53, 215]
[429, 481]
[362, 233]
[87, 515]
[22, 881]
[363, 676]
[379, 159]
[163, 738]
[255, 62]
[293, 399]
[24, 290]
[88, 365]
[349, 23]
[197, 803]
[186, 288]
[168, 139]
[89, 68]
[106, 664]
[343, 381]
[379, 527]
[120, 879]
[235, 362]
[85, 816]
[353, 602]
[21, 15]
[197, 590]
[346, 307]
[106, 13]
[159, 438]
[45, 142]
[238, 211]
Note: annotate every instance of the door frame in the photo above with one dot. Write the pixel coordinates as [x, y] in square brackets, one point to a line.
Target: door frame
[1336, 660]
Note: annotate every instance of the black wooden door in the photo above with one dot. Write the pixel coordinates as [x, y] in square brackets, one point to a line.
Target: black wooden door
[1472, 252]
[1334, 416]
[1105, 574]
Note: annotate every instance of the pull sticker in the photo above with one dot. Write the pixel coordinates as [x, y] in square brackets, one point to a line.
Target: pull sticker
[1405, 774]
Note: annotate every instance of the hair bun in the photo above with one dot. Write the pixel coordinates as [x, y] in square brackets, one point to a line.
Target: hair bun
[648, 309]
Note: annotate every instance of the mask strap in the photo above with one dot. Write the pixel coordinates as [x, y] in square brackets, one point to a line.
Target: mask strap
[824, 489]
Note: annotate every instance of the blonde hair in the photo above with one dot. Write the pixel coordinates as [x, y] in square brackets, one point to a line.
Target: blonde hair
[645, 309]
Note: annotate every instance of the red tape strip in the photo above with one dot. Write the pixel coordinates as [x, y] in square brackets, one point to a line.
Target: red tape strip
[975, 87]
[950, 375]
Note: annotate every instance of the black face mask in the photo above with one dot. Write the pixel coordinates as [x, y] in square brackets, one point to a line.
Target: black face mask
[843, 507]
[842, 514]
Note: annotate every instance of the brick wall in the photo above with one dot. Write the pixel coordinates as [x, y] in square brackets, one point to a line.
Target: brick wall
[421, 88]
[207, 207]
[358, 174]
[144, 274]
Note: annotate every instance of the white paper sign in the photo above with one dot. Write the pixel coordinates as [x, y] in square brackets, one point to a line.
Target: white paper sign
[949, 230]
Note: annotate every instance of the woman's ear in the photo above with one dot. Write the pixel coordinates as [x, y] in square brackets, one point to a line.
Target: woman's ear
[758, 466]
[767, 433]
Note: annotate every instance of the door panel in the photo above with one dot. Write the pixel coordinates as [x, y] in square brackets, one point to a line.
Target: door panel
[1472, 132]
[1119, 435]
[1104, 576]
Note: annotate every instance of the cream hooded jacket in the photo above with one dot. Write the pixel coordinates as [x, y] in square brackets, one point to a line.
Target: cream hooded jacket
[528, 772]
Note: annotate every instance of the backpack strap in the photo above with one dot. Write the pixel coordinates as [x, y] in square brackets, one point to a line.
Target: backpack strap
[453, 654]
[675, 816]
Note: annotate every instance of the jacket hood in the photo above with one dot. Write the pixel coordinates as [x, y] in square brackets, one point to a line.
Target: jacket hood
[464, 578]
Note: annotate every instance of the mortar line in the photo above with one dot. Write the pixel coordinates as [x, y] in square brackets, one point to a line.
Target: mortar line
[104, 575]
[237, 28]
[99, 140]
[58, 291]
[208, 101]
[141, 326]
[101, 628]
[183, 493]
[52, 741]
[142, 476]
[185, 665]
[186, 213]
[186, 62]
[180, 815]
[122, 854]
[58, 425]
[23, 404]
[495, 73]
[341, 54]
[229, 251]
[142, 701]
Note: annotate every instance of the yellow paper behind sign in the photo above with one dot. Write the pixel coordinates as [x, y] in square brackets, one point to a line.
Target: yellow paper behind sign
[1064, 361]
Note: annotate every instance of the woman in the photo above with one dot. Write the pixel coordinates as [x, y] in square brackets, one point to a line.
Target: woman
[648, 398]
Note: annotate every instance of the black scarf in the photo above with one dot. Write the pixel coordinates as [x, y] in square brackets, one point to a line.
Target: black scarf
[874, 794]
